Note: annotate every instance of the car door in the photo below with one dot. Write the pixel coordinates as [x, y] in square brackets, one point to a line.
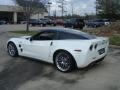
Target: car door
[40, 45]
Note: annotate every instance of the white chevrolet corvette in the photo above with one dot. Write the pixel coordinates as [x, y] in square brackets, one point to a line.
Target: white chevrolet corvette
[66, 48]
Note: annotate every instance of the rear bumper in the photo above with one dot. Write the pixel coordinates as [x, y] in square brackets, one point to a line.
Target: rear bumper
[86, 62]
[88, 59]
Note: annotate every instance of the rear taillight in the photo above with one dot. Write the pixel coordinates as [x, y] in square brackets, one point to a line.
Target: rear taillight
[95, 46]
[91, 47]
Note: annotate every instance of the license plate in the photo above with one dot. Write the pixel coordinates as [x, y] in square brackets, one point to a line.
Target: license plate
[101, 51]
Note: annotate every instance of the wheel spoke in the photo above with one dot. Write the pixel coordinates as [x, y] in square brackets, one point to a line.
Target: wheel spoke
[62, 62]
[11, 49]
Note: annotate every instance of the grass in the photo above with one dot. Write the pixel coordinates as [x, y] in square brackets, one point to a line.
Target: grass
[114, 40]
[25, 32]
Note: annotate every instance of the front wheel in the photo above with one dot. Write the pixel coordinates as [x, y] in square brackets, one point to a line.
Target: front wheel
[12, 49]
[64, 62]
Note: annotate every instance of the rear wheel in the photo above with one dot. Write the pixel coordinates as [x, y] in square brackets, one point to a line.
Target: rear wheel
[12, 49]
[64, 61]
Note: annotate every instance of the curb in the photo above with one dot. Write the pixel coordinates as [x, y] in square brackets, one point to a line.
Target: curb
[114, 46]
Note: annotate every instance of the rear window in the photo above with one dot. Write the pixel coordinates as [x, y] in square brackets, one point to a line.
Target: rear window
[74, 34]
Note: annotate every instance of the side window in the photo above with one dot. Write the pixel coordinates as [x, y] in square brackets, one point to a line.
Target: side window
[45, 36]
[62, 36]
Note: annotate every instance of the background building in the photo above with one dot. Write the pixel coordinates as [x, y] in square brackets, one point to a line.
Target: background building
[39, 15]
[14, 14]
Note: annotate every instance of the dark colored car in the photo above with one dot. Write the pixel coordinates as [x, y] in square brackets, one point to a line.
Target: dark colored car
[35, 22]
[74, 23]
[48, 21]
[107, 21]
[53, 22]
[59, 21]
[2, 22]
[97, 23]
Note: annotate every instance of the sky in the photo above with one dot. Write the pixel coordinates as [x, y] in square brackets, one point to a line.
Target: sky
[80, 7]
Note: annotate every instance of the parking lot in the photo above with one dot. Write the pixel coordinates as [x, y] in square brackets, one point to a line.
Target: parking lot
[22, 73]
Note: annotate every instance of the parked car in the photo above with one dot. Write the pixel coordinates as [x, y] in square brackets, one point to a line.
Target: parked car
[97, 23]
[66, 48]
[35, 22]
[48, 21]
[53, 22]
[75, 23]
[2, 22]
[59, 21]
[107, 21]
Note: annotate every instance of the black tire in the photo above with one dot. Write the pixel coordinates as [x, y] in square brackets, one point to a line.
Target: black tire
[44, 25]
[81, 27]
[54, 24]
[10, 46]
[61, 64]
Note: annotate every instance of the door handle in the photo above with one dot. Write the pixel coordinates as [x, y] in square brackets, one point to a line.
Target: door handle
[51, 43]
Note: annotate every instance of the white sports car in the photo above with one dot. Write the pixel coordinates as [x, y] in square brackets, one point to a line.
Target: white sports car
[66, 48]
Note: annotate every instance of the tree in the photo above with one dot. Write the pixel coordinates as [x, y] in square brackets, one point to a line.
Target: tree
[108, 8]
[31, 7]
[62, 4]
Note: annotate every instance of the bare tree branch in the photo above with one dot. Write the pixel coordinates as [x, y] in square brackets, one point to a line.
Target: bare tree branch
[31, 7]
